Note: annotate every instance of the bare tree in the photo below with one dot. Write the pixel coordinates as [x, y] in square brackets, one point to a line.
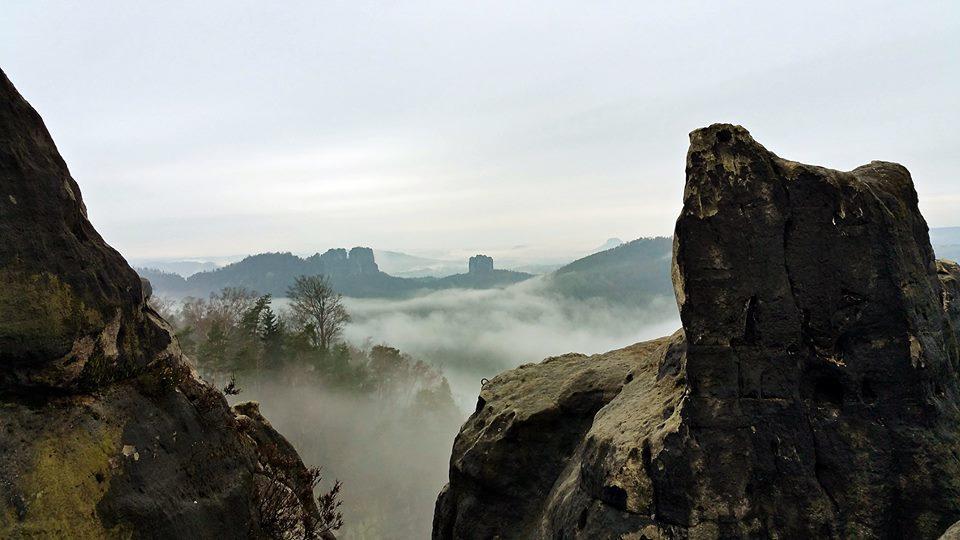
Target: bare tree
[231, 303]
[165, 306]
[315, 304]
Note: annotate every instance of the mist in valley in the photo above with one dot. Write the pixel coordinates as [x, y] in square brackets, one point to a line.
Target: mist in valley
[475, 334]
[391, 446]
[391, 455]
[380, 411]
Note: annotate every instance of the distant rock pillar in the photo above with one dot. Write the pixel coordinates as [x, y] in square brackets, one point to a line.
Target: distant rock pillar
[481, 264]
[361, 259]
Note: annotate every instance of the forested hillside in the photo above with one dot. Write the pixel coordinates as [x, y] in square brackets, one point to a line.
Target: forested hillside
[632, 273]
[354, 273]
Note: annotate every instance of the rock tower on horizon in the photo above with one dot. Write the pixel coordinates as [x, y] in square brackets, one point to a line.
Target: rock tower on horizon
[480, 264]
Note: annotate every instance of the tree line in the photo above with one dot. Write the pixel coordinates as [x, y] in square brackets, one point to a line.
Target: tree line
[237, 337]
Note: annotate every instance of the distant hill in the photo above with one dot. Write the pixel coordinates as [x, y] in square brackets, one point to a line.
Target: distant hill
[183, 268]
[354, 273]
[538, 268]
[609, 244]
[631, 273]
[946, 242]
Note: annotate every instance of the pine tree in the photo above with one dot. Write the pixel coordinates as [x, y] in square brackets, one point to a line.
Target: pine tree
[212, 353]
[272, 335]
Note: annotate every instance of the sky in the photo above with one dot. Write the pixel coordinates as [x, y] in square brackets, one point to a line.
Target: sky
[217, 128]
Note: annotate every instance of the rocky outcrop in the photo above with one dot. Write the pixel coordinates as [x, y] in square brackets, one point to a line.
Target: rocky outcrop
[480, 264]
[480, 275]
[953, 533]
[337, 262]
[361, 258]
[107, 431]
[528, 426]
[812, 392]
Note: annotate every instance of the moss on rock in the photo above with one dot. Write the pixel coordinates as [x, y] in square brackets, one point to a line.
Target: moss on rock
[40, 316]
[70, 475]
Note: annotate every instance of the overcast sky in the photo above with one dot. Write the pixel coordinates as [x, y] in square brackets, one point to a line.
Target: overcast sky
[220, 128]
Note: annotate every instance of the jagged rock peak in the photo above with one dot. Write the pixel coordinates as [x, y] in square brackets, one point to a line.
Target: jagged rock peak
[811, 394]
[107, 430]
[363, 260]
[480, 264]
[359, 260]
[335, 254]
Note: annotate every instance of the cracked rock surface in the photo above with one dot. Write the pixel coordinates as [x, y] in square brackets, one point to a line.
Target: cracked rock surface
[105, 429]
[812, 392]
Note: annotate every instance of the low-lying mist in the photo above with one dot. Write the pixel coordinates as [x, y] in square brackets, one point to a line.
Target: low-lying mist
[475, 334]
[391, 456]
[383, 420]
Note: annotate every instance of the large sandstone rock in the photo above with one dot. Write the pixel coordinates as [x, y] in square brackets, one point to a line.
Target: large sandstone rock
[811, 394]
[480, 264]
[362, 260]
[105, 430]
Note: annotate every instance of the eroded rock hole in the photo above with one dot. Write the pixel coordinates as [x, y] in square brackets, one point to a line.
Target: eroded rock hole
[615, 496]
[724, 136]
[668, 410]
[646, 458]
[828, 389]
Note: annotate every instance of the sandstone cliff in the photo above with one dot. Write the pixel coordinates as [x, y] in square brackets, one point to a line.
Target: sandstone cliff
[480, 264]
[106, 430]
[812, 392]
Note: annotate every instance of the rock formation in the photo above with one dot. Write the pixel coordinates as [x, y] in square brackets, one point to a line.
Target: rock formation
[106, 430]
[338, 262]
[812, 392]
[361, 258]
[334, 259]
[480, 264]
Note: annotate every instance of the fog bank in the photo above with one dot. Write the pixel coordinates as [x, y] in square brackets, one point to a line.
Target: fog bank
[475, 334]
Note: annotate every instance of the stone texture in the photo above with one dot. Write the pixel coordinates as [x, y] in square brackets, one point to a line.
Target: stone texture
[106, 429]
[953, 533]
[480, 264]
[811, 394]
[527, 424]
[361, 258]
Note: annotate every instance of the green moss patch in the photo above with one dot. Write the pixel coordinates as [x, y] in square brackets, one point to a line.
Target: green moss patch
[69, 477]
[40, 315]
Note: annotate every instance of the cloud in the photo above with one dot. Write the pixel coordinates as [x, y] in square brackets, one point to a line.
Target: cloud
[459, 124]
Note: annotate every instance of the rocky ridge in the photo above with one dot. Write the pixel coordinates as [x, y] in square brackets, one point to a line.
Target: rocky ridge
[106, 429]
[812, 392]
[355, 274]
